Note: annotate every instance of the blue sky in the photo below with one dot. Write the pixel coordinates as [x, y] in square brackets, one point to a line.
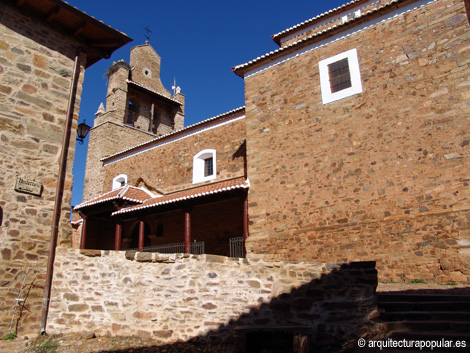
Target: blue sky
[199, 43]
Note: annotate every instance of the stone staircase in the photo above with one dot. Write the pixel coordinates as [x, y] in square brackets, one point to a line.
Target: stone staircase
[440, 317]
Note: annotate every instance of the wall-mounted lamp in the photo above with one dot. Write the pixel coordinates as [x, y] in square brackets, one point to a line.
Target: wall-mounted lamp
[82, 131]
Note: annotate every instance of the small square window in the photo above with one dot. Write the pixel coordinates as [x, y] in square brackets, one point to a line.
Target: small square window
[340, 76]
[208, 166]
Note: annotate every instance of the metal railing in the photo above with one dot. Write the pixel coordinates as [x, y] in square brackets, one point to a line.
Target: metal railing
[237, 247]
[196, 247]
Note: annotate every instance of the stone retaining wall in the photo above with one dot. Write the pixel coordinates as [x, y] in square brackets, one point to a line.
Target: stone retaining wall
[179, 297]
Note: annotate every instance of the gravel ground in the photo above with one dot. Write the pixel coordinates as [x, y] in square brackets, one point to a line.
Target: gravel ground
[88, 343]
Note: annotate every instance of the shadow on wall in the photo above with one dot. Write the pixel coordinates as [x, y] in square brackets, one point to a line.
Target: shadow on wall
[319, 316]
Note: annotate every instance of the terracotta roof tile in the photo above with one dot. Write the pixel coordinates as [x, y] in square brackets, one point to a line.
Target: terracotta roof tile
[193, 193]
[336, 9]
[128, 193]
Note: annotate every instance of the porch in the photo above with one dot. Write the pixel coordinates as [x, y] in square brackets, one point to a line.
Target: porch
[212, 219]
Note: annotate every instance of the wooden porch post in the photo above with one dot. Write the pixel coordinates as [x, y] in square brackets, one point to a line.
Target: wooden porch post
[152, 112]
[118, 235]
[245, 217]
[187, 231]
[141, 236]
[83, 235]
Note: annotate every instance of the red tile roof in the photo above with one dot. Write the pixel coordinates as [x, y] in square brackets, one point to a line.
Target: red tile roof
[128, 193]
[193, 193]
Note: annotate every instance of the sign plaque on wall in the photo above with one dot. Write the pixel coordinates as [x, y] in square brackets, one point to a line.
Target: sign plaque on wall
[28, 186]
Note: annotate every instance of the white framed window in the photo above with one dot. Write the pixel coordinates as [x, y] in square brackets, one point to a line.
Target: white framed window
[119, 181]
[340, 76]
[204, 166]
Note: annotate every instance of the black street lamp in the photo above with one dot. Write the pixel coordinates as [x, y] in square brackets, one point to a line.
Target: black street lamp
[82, 131]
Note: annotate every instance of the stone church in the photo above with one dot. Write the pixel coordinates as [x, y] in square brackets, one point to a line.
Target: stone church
[348, 164]
[352, 146]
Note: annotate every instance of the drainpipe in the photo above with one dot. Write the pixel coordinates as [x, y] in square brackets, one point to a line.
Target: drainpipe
[59, 193]
[467, 8]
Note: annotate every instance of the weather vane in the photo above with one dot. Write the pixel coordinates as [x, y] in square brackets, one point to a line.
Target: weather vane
[147, 31]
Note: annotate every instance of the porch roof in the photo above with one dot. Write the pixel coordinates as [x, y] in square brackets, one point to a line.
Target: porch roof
[127, 193]
[187, 194]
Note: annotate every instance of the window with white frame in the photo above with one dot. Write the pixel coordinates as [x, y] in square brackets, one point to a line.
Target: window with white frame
[204, 166]
[340, 76]
[119, 181]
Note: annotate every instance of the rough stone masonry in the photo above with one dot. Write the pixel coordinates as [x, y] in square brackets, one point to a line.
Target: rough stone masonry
[181, 296]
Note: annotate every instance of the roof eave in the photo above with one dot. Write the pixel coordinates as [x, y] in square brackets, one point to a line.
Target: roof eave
[242, 69]
[278, 37]
[172, 134]
[99, 39]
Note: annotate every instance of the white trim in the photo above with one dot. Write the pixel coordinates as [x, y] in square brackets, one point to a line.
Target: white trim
[325, 21]
[128, 154]
[199, 164]
[339, 36]
[354, 71]
[118, 180]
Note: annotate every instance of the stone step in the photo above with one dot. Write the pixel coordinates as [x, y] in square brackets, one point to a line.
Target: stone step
[426, 315]
[388, 297]
[429, 326]
[400, 306]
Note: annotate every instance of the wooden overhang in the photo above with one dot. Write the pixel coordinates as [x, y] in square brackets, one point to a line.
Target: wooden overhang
[99, 39]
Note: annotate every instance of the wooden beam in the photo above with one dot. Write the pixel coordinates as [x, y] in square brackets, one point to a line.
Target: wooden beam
[83, 235]
[187, 231]
[80, 29]
[245, 216]
[118, 235]
[141, 236]
[152, 111]
[53, 14]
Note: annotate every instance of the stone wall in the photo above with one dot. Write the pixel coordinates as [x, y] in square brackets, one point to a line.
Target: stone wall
[36, 65]
[382, 175]
[106, 139]
[169, 167]
[179, 297]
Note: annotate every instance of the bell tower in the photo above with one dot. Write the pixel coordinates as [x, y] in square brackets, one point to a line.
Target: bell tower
[138, 109]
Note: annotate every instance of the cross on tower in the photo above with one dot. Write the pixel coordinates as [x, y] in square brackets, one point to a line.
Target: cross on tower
[147, 31]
